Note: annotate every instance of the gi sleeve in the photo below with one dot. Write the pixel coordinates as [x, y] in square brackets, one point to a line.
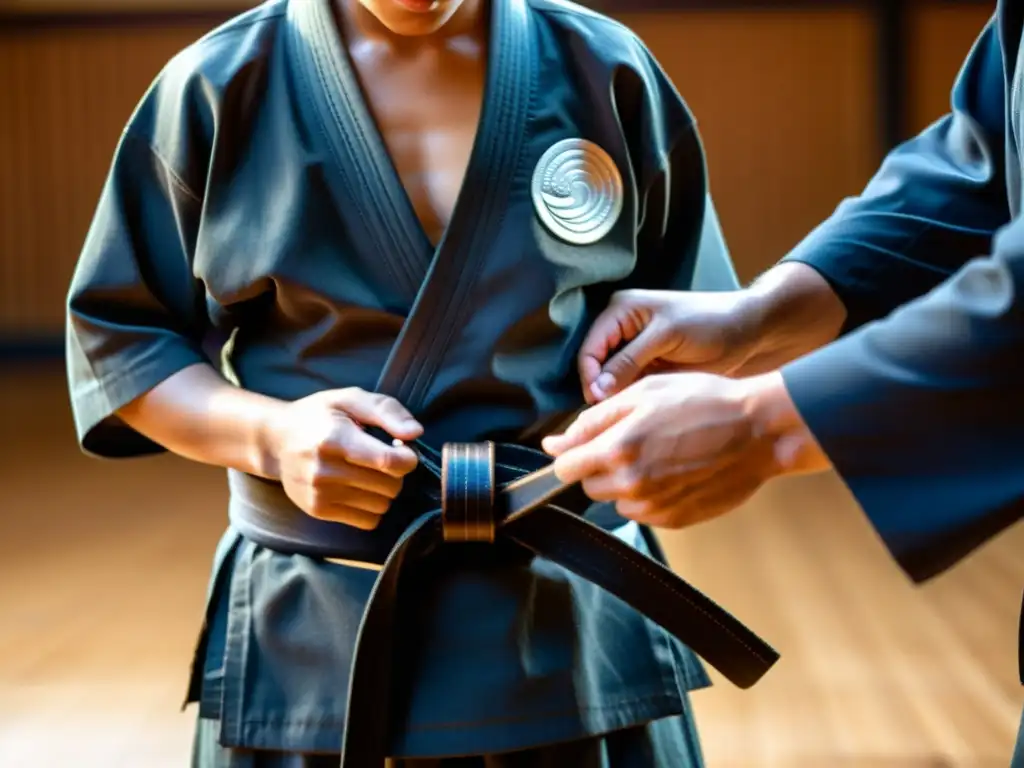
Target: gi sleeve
[682, 244]
[934, 204]
[921, 413]
[135, 312]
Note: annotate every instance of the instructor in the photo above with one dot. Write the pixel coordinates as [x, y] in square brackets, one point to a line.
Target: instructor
[919, 404]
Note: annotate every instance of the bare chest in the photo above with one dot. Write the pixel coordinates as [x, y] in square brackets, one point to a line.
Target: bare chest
[427, 110]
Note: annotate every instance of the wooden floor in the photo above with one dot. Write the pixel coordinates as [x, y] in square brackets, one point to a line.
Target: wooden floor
[103, 567]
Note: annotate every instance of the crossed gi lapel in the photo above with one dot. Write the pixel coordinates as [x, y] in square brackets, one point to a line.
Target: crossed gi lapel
[442, 298]
[368, 191]
[366, 188]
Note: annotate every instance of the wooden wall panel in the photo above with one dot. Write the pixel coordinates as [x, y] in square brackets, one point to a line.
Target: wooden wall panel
[67, 94]
[785, 101]
[942, 35]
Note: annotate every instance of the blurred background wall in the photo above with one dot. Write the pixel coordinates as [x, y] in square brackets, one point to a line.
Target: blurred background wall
[796, 102]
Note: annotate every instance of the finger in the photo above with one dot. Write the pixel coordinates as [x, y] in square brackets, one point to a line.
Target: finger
[340, 513]
[690, 512]
[718, 495]
[629, 363]
[363, 450]
[596, 456]
[623, 484]
[601, 487]
[379, 411]
[656, 505]
[587, 426]
[589, 369]
[606, 333]
[331, 476]
[356, 498]
[621, 322]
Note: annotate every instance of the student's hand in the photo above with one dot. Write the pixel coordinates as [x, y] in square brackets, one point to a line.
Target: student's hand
[788, 312]
[330, 467]
[676, 449]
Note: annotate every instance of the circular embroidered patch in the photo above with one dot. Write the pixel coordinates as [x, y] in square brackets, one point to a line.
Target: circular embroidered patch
[577, 191]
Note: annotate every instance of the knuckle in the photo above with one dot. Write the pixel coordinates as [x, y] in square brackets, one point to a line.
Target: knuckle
[582, 423]
[624, 453]
[400, 463]
[636, 509]
[362, 522]
[624, 362]
[631, 483]
[345, 440]
[678, 516]
[594, 490]
[378, 505]
[370, 523]
[386, 406]
[322, 449]
[389, 461]
[318, 474]
[316, 506]
[390, 487]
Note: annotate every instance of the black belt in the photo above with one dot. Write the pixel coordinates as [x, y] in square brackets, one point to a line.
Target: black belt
[475, 505]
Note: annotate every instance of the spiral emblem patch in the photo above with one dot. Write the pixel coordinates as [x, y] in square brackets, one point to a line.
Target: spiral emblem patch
[577, 191]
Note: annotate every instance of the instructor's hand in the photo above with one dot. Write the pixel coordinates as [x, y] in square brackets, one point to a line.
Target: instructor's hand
[676, 449]
[330, 467]
[644, 332]
[787, 312]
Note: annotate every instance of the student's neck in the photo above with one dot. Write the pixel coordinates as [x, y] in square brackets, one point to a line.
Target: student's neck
[359, 25]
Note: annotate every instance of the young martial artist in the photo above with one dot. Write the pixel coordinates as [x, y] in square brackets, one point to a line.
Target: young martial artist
[389, 221]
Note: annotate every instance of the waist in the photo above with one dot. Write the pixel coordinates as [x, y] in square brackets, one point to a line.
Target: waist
[262, 512]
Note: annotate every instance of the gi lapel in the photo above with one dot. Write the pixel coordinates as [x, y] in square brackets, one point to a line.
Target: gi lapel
[441, 303]
[372, 201]
[364, 184]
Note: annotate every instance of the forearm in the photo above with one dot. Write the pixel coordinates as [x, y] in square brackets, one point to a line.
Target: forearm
[793, 311]
[200, 416]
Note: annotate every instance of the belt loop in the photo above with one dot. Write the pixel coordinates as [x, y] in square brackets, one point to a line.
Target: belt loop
[468, 493]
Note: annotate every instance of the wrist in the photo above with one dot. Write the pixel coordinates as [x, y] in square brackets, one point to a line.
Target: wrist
[789, 311]
[774, 418]
[267, 439]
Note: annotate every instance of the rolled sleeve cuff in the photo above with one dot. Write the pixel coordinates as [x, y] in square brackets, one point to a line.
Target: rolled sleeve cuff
[869, 268]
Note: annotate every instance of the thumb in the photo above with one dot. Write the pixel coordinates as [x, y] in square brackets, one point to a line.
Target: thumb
[628, 364]
[588, 425]
[371, 409]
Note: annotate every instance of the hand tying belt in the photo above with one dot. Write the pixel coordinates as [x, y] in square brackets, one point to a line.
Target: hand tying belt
[475, 508]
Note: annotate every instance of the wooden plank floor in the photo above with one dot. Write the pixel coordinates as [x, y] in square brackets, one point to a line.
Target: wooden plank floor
[103, 567]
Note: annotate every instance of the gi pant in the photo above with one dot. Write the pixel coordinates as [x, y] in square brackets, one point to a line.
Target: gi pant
[668, 743]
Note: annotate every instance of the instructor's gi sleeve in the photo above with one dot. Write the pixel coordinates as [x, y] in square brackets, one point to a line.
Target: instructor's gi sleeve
[934, 204]
[135, 314]
[922, 413]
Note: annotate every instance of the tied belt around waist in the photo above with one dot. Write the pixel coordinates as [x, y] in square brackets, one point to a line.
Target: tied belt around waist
[475, 505]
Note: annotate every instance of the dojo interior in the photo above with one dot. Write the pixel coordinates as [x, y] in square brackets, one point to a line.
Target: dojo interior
[103, 565]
